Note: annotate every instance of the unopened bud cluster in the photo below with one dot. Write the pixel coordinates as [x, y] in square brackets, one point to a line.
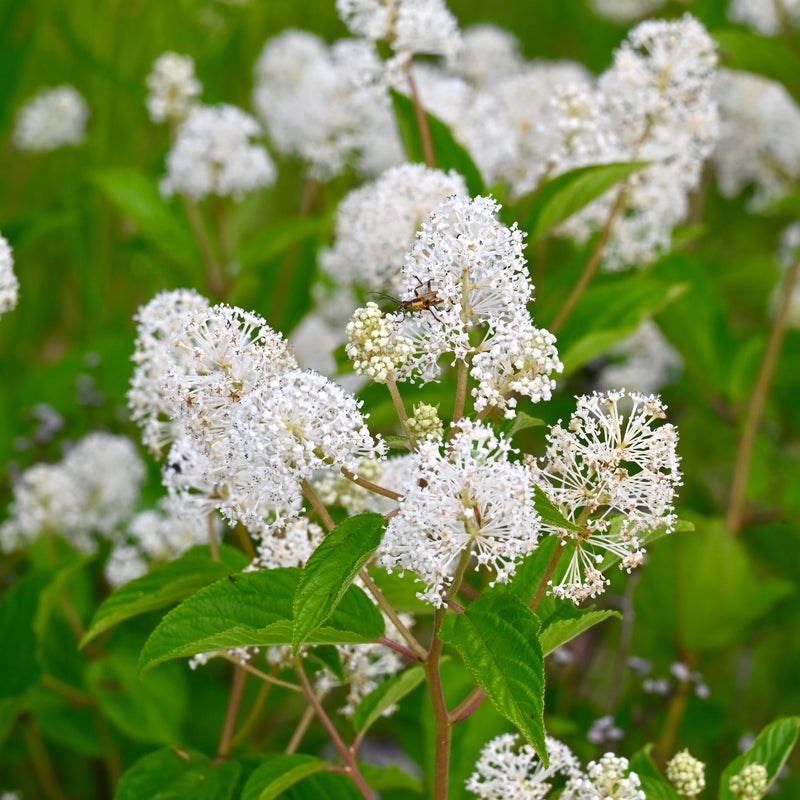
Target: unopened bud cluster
[374, 348]
[686, 774]
[425, 422]
[751, 783]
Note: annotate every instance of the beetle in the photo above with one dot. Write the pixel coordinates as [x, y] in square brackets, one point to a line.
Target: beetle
[427, 300]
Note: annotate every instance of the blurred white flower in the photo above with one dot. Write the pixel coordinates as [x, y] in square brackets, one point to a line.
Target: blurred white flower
[213, 154]
[609, 777]
[487, 53]
[173, 88]
[51, 119]
[9, 285]
[763, 15]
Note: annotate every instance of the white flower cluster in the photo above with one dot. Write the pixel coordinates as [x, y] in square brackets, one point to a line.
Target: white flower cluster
[245, 423]
[213, 154]
[752, 783]
[92, 490]
[376, 223]
[474, 267]
[487, 53]
[173, 88]
[658, 96]
[765, 15]
[373, 347]
[462, 498]
[408, 26]
[613, 476]
[320, 103]
[9, 285]
[759, 140]
[643, 362]
[158, 535]
[157, 323]
[51, 119]
[606, 779]
[289, 546]
[510, 768]
[686, 774]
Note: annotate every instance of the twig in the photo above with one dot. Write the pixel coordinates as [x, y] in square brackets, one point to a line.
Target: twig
[373, 487]
[300, 730]
[422, 120]
[234, 702]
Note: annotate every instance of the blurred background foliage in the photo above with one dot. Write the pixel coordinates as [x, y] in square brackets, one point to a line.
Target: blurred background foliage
[728, 608]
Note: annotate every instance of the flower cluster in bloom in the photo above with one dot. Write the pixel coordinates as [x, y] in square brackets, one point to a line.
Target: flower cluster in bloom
[173, 88]
[213, 154]
[607, 778]
[409, 26]
[320, 103]
[376, 224]
[614, 478]
[51, 119]
[509, 768]
[463, 498]
[751, 783]
[759, 141]
[157, 323]
[643, 362]
[475, 267]
[373, 347]
[686, 774]
[92, 490]
[765, 15]
[289, 546]
[9, 285]
[658, 94]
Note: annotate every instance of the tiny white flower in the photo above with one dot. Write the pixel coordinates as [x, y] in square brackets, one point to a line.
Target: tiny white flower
[173, 88]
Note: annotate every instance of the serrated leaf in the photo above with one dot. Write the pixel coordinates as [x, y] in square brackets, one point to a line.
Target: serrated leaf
[256, 610]
[164, 586]
[19, 666]
[550, 514]
[497, 638]
[447, 152]
[175, 774]
[566, 194]
[388, 693]
[561, 631]
[330, 570]
[770, 749]
[278, 773]
[136, 195]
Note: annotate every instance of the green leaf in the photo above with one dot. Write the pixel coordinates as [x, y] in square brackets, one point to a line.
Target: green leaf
[497, 638]
[566, 194]
[610, 312]
[256, 610]
[561, 631]
[653, 784]
[385, 779]
[447, 152]
[273, 240]
[401, 591]
[278, 773]
[164, 586]
[175, 774]
[520, 422]
[766, 55]
[326, 655]
[531, 570]
[150, 709]
[388, 693]
[770, 749]
[330, 570]
[327, 785]
[19, 666]
[550, 514]
[136, 196]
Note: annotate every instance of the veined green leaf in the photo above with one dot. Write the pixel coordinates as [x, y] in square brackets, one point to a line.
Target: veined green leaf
[330, 570]
[279, 772]
[388, 693]
[256, 610]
